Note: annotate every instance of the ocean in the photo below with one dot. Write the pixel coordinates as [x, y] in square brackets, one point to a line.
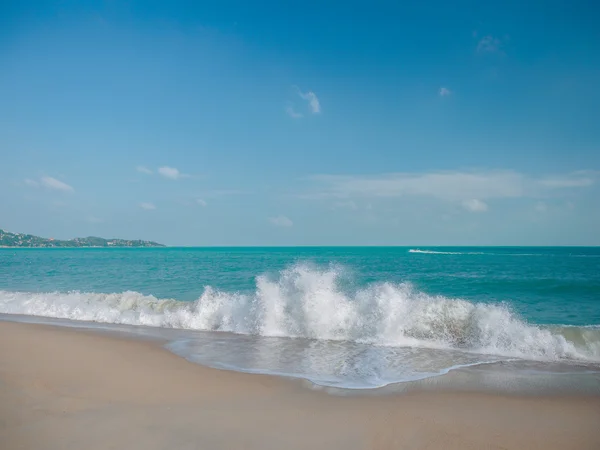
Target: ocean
[349, 318]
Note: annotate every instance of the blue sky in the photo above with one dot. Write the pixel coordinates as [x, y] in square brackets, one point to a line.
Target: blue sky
[312, 123]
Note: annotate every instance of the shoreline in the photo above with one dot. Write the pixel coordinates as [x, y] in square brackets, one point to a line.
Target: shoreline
[70, 388]
[501, 376]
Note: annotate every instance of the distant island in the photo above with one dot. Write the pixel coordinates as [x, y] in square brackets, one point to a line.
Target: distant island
[27, 240]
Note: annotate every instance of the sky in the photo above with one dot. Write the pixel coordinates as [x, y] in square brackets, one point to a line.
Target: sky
[302, 123]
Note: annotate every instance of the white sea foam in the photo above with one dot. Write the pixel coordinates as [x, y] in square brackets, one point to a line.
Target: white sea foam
[304, 301]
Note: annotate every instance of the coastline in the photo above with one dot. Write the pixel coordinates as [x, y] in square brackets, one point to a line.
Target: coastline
[71, 389]
[86, 247]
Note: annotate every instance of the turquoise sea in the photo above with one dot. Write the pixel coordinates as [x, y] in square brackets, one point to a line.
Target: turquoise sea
[346, 317]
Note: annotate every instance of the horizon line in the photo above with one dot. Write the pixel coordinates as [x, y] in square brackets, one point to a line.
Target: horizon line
[165, 246]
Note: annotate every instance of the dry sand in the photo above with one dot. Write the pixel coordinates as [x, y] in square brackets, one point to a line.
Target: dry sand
[69, 389]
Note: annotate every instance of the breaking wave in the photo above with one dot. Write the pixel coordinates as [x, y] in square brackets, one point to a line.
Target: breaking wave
[304, 301]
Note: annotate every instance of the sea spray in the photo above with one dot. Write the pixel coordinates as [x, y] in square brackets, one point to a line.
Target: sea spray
[309, 302]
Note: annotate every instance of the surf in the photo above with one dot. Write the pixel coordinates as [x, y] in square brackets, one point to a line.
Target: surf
[304, 301]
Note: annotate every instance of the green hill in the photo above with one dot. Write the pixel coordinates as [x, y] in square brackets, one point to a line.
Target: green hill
[27, 240]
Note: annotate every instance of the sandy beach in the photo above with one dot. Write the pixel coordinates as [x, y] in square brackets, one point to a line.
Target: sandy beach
[70, 389]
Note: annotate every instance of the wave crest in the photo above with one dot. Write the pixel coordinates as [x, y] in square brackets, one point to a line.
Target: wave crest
[308, 302]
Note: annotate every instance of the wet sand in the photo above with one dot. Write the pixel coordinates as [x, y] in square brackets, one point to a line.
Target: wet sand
[63, 388]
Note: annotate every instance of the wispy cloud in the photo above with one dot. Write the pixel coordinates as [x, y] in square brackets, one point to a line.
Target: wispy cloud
[541, 207]
[475, 205]
[165, 171]
[444, 92]
[93, 219]
[50, 183]
[582, 178]
[171, 173]
[147, 206]
[488, 44]
[143, 169]
[446, 185]
[281, 221]
[312, 99]
[456, 186]
[201, 202]
[290, 111]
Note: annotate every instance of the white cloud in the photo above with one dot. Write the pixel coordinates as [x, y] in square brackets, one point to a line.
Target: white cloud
[446, 185]
[92, 219]
[281, 221]
[444, 92]
[147, 206]
[143, 169]
[475, 205]
[488, 44]
[449, 185]
[171, 172]
[312, 99]
[541, 207]
[582, 178]
[53, 183]
[290, 111]
[201, 202]
[165, 171]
